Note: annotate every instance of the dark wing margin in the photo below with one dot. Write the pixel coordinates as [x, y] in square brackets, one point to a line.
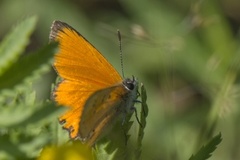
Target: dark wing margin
[58, 26]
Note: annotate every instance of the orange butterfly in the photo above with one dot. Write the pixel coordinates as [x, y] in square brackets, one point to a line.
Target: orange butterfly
[91, 87]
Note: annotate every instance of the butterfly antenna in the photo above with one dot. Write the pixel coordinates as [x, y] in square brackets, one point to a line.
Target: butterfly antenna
[121, 55]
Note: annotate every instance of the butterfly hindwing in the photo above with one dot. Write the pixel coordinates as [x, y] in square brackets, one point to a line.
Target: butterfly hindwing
[99, 105]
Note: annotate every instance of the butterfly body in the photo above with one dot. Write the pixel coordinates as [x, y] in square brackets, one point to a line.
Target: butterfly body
[92, 89]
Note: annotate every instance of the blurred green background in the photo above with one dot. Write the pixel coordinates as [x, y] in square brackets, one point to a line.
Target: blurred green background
[186, 53]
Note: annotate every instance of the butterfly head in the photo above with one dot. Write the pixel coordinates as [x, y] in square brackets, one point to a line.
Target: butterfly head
[132, 86]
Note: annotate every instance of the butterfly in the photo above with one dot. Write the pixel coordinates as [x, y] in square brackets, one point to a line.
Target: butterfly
[91, 87]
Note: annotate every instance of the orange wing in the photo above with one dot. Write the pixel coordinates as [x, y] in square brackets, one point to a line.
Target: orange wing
[103, 104]
[84, 71]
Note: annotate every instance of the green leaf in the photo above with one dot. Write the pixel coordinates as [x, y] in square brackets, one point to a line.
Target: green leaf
[23, 70]
[24, 115]
[15, 42]
[9, 148]
[143, 116]
[25, 124]
[206, 151]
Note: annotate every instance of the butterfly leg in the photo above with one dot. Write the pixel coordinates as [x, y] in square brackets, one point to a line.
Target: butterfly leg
[136, 115]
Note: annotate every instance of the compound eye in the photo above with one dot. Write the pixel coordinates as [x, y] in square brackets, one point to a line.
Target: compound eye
[129, 84]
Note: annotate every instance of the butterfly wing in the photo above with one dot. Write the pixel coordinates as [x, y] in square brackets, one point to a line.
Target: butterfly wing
[84, 71]
[102, 107]
[78, 59]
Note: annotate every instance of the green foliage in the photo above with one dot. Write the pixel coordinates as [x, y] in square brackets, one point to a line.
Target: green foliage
[143, 121]
[206, 151]
[25, 122]
[15, 42]
[39, 62]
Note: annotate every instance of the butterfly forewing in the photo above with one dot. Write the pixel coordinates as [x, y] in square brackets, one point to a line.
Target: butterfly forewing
[84, 71]
[77, 59]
